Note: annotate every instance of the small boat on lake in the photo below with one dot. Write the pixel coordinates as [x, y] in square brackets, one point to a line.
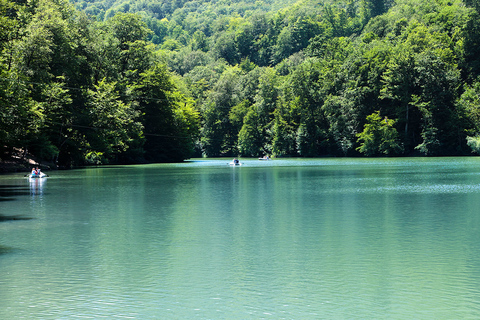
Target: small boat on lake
[264, 158]
[37, 175]
[235, 162]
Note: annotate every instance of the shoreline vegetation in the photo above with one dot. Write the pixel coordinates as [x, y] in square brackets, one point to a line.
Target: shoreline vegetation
[82, 84]
[14, 165]
[17, 161]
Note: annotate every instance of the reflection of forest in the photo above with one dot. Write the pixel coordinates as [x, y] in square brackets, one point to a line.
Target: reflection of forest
[7, 193]
[4, 250]
[10, 218]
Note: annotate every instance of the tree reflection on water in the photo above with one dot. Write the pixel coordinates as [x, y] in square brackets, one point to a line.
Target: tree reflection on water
[9, 193]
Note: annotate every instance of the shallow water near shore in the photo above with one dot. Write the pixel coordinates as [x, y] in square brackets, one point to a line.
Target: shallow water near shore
[282, 239]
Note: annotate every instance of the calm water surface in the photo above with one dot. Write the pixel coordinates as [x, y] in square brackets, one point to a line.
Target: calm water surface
[281, 239]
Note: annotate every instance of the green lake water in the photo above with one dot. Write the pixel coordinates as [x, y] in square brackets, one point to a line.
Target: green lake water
[282, 239]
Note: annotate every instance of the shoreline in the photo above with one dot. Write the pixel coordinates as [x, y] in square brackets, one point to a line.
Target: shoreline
[19, 161]
[22, 165]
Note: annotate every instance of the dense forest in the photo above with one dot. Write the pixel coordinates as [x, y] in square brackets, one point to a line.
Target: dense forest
[153, 81]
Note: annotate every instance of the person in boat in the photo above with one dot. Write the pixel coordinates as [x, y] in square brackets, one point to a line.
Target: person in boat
[235, 161]
[36, 172]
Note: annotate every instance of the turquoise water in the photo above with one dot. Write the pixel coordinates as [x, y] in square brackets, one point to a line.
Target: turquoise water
[281, 239]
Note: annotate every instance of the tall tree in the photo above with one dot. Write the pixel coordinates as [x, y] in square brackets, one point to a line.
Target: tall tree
[219, 136]
[154, 92]
[379, 136]
[115, 124]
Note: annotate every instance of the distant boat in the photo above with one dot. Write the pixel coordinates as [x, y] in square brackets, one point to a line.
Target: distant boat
[235, 163]
[37, 176]
[264, 158]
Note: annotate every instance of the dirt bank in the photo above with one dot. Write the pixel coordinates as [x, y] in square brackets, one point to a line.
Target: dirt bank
[18, 162]
[17, 165]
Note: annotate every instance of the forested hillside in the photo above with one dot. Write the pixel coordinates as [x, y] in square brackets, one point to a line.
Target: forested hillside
[137, 81]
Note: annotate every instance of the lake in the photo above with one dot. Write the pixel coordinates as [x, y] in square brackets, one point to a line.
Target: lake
[283, 239]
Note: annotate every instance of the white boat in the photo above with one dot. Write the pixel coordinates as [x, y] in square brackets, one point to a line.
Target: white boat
[233, 163]
[37, 176]
[264, 158]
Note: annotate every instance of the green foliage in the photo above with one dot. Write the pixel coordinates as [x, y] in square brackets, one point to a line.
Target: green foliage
[469, 103]
[379, 136]
[73, 91]
[95, 158]
[249, 138]
[238, 113]
[150, 81]
[474, 144]
[128, 28]
[219, 137]
[338, 112]
[116, 123]
[283, 143]
[155, 92]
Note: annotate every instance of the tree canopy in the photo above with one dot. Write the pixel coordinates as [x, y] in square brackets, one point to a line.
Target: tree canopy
[134, 81]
